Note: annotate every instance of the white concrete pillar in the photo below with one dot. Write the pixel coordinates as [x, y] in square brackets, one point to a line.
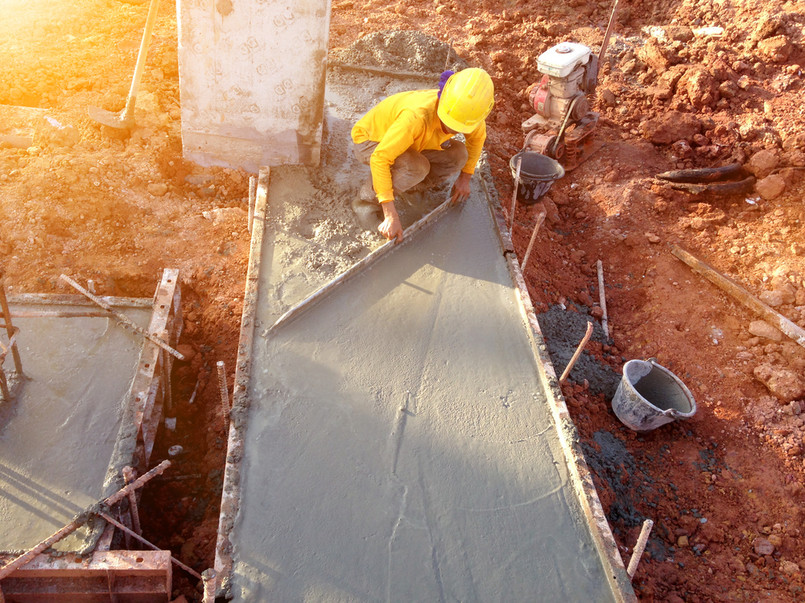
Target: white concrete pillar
[251, 76]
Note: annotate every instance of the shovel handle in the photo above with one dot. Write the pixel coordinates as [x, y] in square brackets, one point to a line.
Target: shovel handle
[153, 9]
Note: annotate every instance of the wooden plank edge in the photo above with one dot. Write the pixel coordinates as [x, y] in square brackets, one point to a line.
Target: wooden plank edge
[230, 492]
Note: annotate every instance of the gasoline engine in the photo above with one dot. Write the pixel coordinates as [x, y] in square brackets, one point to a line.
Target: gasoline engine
[563, 125]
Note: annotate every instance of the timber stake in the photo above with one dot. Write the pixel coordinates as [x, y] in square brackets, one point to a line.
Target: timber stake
[576, 355]
[726, 284]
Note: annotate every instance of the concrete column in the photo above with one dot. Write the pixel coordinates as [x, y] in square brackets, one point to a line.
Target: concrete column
[251, 76]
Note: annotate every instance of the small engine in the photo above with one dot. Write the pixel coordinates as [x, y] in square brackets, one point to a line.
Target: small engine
[570, 73]
[563, 124]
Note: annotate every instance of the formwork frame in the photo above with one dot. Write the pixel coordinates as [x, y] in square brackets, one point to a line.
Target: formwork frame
[580, 474]
[103, 574]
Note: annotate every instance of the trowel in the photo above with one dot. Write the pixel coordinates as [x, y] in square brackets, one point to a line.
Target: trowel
[125, 119]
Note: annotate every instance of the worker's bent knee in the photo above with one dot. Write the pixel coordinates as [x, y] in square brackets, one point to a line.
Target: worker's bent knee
[409, 169]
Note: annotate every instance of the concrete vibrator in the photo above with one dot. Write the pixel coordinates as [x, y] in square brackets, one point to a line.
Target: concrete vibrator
[563, 126]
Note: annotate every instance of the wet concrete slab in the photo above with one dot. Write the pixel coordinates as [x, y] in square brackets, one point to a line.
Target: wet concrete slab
[399, 445]
[59, 436]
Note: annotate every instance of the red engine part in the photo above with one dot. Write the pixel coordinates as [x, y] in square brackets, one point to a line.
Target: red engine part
[540, 97]
[574, 146]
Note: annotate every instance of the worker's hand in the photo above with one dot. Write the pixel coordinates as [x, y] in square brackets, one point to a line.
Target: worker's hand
[461, 189]
[391, 227]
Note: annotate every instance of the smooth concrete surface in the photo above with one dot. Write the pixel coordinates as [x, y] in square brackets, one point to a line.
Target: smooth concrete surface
[59, 436]
[399, 446]
[251, 78]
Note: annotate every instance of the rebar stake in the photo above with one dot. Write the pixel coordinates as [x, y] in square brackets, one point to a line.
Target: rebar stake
[223, 389]
[128, 475]
[121, 318]
[537, 225]
[209, 576]
[602, 298]
[9, 327]
[577, 353]
[252, 199]
[639, 547]
[514, 194]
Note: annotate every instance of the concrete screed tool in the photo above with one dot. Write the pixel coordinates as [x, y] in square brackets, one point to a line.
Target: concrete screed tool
[562, 127]
[125, 119]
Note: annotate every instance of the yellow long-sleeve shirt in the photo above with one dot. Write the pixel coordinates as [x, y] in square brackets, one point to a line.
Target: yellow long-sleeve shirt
[403, 121]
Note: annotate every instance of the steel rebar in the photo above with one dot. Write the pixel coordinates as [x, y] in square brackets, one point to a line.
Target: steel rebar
[208, 577]
[128, 476]
[122, 318]
[224, 391]
[136, 536]
[514, 194]
[602, 298]
[80, 519]
[252, 199]
[639, 547]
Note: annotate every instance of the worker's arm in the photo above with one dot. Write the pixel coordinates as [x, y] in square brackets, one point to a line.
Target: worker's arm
[397, 139]
[474, 141]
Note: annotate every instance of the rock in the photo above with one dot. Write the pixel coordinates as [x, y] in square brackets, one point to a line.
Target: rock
[763, 546]
[657, 56]
[652, 238]
[763, 162]
[158, 189]
[547, 205]
[770, 187]
[585, 298]
[777, 49]
[766, 28]
[744, 82]
[794, 141]
[760, 328]
[784, 288]
[681, 149]
[682, 541]
[700, 86]
[789, 567]
[224, 214]
[776, 540]
[771, 298]
[608, 97]
[671, 127]
[186, 350]
[54, 132]
[784, 384]
[727, 89]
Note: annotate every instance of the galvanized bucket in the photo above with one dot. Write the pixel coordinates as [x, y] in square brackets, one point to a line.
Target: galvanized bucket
[649, 395]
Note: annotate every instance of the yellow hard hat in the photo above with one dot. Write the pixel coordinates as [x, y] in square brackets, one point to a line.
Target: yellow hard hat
[466, 100]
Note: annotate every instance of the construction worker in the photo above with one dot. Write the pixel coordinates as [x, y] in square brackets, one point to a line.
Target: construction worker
[407, 140]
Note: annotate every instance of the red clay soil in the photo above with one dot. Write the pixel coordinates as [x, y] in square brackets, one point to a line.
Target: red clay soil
[725, 488]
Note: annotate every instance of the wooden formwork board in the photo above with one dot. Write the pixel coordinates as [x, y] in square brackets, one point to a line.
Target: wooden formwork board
[122, 576]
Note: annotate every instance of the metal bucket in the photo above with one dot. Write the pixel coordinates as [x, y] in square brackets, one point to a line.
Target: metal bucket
[537, 173]
[649, 395]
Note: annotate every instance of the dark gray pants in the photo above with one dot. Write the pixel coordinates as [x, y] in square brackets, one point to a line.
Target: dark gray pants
[430, 168]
